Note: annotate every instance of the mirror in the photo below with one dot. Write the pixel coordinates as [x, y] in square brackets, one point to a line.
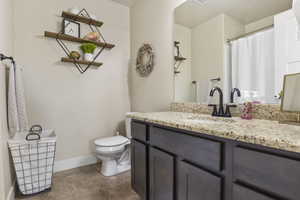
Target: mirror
[229, 44]
[291, 95]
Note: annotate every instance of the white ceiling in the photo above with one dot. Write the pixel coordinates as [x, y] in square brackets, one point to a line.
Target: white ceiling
[125, 2]
[191, 14]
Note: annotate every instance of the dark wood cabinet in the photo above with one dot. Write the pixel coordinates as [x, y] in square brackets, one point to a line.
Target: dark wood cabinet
[174, 164]
[198, 150]
[195, 184]
[243, 193]
[139, 131]
[139, 168]
[161, 173]
[273, 173]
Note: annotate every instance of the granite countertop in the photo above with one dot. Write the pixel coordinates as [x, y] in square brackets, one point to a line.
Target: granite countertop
[256, 131]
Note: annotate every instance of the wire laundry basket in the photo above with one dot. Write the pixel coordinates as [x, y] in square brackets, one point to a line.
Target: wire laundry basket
[33, 156]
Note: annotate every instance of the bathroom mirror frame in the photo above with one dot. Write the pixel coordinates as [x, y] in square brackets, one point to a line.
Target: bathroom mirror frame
[284, 96]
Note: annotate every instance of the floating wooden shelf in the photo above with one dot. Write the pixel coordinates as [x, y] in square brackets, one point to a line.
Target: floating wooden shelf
[70, 60]
[76, 39]
[178, 58]
[82, 19]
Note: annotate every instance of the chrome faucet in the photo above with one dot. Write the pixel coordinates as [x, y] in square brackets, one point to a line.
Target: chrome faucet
[232, 94]
[219, 113]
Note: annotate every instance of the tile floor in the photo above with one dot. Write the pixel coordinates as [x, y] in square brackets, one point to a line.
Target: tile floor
[87, 184]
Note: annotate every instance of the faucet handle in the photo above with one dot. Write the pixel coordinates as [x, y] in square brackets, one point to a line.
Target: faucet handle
[227, 112]
[215, 112]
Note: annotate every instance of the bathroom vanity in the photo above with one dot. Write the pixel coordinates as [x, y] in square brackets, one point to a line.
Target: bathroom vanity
[184, 156]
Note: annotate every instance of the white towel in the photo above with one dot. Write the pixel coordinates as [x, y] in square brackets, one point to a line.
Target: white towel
[17, 115]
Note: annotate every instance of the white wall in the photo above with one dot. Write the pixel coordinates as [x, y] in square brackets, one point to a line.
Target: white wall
[6, 47]
[80, 107]
[267, 21]
[287, 47]
[152, 22]
[183, 90]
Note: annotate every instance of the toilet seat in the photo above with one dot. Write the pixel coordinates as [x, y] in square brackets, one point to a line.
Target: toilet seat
[111, 141]
[111, 144]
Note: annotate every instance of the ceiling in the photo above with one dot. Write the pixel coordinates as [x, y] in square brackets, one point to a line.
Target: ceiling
[191, 14]
[125, 2]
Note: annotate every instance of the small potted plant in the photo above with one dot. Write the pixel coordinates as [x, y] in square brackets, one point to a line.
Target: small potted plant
[88, 50]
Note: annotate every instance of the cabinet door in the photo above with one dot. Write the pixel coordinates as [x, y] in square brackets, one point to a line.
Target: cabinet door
[139, 168]
[161, 175]
[195, 184]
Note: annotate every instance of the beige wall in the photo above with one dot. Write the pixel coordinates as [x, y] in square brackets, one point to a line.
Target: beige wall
[6, 47]
[259, 24]
[183, 90]
[152, 22]
[207, 54]
[209, 49]
[80, 107]
[232, 28]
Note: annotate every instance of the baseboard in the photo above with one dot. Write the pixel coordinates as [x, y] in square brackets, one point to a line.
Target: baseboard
[72, 163]
[11, 193]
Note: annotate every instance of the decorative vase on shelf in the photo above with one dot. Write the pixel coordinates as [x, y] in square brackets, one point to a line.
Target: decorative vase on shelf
[88, 57]
[75, 55]
[88, 50]
[93, 36]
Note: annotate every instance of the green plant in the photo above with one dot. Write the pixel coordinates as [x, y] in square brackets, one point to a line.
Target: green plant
[280, 95]
[88, 47]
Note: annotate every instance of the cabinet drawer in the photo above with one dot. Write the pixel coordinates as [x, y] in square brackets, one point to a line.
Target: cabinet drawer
[269, 172]
[139, 131]
[194, 183]
[242, 193]
[194, 149]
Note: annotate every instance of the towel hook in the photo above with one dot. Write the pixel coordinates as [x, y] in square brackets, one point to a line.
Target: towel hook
[215, 79]
[3, 57]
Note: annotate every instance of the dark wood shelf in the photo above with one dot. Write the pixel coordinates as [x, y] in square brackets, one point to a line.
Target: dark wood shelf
[76, 39]
[70, 60]
[178, 58]
[82, 19]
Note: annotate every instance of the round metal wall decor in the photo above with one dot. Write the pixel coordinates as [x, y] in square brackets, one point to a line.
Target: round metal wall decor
[145, 60]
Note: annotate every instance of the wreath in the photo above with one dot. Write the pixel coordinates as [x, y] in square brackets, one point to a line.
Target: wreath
[145, 60]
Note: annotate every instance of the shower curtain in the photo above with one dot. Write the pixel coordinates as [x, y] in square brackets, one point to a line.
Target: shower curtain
[253, 66]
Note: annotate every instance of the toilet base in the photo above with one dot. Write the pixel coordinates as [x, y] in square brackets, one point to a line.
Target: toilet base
[112, 168]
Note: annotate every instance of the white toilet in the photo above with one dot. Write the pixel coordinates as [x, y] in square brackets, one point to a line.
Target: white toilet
[114, 152]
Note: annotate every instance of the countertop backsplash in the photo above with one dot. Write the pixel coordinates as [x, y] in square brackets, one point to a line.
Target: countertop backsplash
[260, 111]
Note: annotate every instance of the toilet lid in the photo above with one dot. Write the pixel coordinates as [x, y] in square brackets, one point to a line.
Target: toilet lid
[111, 141]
